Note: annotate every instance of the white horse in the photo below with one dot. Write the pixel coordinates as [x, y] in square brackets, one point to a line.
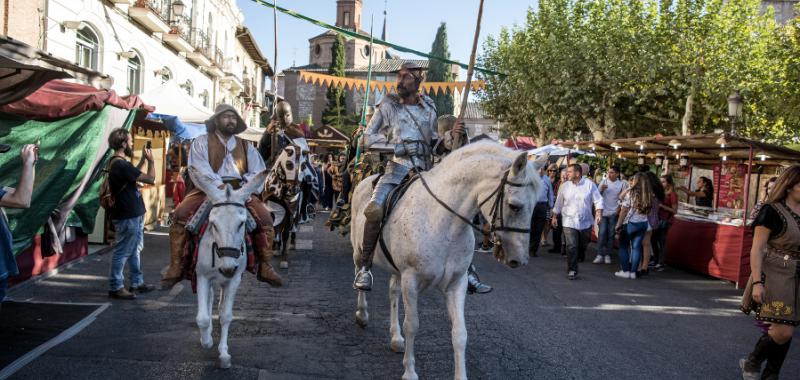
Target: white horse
[432, 247]
[222, 256]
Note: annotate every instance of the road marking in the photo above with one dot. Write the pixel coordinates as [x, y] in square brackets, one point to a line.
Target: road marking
[306, 229]
[60, 338]
[304, 244]
[164, 300]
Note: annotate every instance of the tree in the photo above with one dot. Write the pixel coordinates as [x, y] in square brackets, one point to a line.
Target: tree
[335, 113]
[439, 71]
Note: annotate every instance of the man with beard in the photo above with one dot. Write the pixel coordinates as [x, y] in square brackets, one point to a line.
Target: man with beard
[226, 159]
[127, 214]
[405, 125]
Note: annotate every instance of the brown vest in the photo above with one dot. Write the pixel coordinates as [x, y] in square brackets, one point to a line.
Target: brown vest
[217, 152]
[789, 239]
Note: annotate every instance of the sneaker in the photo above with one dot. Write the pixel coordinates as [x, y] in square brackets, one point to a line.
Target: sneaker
[633, 276]
[608, 259]
[659, 268]
[143, 288]
[651, 264]
[598, 260]
[622, 274]
[121, 294]
[572, 275]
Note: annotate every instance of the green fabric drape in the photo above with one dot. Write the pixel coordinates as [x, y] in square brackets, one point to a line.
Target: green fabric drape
[68, 148]
[354, 34]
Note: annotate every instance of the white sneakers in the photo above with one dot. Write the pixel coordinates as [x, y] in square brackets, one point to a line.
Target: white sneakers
[602, 259]
[624, 274]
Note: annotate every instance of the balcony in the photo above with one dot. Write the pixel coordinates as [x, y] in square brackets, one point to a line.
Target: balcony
[151, 14]
[200, 52]
[232, 81]
[178, 37]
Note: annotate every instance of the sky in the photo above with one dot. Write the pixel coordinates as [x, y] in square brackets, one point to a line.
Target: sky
[410, 23]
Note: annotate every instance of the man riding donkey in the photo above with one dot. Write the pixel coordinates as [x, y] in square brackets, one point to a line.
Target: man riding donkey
[227, 159]
[409, 118]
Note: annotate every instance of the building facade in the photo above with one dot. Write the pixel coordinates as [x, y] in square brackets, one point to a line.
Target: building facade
[202, 45]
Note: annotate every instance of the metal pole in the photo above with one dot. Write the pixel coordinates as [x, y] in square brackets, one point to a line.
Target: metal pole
[470, 71]
[274, 146]
[367, 92]
[747, 186]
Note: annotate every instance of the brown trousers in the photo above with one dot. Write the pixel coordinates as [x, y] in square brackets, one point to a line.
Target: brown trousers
[264, 232]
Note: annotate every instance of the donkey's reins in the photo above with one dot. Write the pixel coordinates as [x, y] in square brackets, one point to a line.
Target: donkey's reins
[223, 252]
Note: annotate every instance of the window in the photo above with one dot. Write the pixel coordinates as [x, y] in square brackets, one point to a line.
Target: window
[346, 18]
[317, 49]
[204, 97]
[87, 48]
[189, 88]
[134, 75]
[366, 50]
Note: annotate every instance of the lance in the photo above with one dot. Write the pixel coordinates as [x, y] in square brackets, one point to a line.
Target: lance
[367, 91]
[274, 143]
[470, 70]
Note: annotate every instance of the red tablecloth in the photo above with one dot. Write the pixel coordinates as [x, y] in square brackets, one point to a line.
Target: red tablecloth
[717, 250]
[31, 263]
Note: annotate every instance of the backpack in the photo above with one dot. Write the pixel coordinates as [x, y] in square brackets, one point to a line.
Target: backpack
[107, 198]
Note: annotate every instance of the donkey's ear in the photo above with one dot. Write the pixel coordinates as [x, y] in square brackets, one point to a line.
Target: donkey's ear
[541, 161]
[205, 184]
[254, 186]
[519, 164]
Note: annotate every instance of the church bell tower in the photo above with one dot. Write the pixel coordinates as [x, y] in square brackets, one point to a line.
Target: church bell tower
[348, 14]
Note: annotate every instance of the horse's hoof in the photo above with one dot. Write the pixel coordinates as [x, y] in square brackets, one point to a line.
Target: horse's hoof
[224, 362]
[412, 376]
[362, 320]
[207, 343]
[284, 265]
[398, 346]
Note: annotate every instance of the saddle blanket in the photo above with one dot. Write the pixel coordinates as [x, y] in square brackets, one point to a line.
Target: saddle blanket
[189, 259]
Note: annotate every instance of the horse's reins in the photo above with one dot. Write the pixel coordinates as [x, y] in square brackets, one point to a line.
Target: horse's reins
[222, 252]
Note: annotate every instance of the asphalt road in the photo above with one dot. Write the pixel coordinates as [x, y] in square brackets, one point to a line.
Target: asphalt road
[535, 325]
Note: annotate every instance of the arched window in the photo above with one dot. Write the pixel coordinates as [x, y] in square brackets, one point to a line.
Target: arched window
[204, 97]
[166, 74]
[134, 75]
[188, 87]
[87, 48]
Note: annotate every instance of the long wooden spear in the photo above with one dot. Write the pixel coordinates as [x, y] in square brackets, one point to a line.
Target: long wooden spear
[367, 91]
[274, 146]
[470, 71]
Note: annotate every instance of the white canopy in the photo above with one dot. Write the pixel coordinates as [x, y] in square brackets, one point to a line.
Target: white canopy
[554, 150]
[170, 99]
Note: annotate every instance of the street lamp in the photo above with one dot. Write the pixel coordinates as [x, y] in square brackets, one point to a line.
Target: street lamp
[735, 103]
[177, 8]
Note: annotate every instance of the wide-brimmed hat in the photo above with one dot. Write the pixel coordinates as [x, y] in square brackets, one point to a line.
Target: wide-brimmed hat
[4, 148]
[211, 123]
[409, 65]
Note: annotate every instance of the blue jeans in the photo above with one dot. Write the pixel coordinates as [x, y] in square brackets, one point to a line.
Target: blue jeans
[605, 240]
[630, 246]
[127, 247]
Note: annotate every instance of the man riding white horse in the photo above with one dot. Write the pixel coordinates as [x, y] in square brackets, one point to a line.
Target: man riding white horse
[410, 119]
[226, 159]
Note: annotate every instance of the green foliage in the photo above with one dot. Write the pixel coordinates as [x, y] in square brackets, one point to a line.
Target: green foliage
[439, 71]
[335, 113]
[620, 68]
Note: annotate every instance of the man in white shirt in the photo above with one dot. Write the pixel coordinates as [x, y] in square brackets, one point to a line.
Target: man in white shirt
[610, 188]
[574, 203]
[226, 159]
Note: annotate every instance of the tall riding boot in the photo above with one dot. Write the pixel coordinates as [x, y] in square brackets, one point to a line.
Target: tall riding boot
[177, 239]
[474, 284]
[775, 361]
[751, 366]
[363, 279]
[263, 247]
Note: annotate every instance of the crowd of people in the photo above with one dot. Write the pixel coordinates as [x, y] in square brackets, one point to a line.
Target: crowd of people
[634, 213]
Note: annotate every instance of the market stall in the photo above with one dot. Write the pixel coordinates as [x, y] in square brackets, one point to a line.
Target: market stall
[711, 240]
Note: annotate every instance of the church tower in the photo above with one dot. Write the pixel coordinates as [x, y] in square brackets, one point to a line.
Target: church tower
[358, 54]
[348, 14]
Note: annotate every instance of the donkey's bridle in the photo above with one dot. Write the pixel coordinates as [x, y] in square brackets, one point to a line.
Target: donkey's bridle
[497, 206]
[222, 252]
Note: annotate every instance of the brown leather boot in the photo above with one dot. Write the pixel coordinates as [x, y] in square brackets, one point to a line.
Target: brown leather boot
[262, 241]
[177, 239]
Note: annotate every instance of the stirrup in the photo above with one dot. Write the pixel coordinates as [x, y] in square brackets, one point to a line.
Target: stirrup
[363, 280]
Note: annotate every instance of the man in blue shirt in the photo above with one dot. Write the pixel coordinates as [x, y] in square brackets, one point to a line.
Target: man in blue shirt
[19, 197]
[541, 213]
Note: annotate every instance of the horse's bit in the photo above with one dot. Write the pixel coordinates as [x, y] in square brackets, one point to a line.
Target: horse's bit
[222, 252]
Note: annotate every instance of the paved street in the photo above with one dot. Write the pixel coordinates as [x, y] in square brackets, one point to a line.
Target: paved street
[535, 325]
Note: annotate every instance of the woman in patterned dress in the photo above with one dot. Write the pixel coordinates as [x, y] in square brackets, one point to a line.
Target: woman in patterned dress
[773, 287]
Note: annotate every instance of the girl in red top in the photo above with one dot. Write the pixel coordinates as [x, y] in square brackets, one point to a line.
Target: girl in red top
[666, 215]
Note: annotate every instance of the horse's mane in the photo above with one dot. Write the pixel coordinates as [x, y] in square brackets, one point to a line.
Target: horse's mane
[480, 153]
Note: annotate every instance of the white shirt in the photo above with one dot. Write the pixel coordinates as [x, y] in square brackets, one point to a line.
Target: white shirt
[611, 195]
[198, 158]
[633, 216]
[574, 203]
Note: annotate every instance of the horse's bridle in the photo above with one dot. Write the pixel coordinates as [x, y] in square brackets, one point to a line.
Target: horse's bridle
[497, 206]
[222, 252]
